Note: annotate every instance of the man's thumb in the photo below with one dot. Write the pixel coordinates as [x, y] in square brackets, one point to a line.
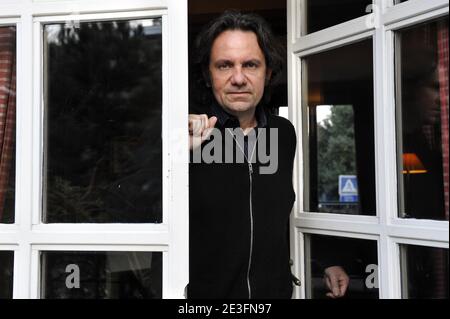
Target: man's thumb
[208, 131]
[212, 122]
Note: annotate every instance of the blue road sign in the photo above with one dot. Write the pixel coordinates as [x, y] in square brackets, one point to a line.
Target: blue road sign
[348, 198]
[348, 185]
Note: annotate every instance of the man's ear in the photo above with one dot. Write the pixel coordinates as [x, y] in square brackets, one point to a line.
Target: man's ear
[268, 76]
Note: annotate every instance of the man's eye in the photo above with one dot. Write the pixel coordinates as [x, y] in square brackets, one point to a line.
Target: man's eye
[251, 65]
[223, 66]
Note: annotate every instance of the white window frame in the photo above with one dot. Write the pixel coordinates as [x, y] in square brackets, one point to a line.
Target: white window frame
[28, 236]
[386, 228]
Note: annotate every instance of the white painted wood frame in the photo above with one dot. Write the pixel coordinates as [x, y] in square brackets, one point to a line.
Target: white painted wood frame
[386, 228]
[28, 236]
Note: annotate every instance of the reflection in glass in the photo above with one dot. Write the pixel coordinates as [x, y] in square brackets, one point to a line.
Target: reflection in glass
[7, 123]
[337, 182]
[340, 163]
[424, 272]
[103, 102]
[321, 14]
[101, 275]
[358, 257]
[6, 274]
[422, 120]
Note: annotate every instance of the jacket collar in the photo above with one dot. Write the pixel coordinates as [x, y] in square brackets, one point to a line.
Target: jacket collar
[227, 120]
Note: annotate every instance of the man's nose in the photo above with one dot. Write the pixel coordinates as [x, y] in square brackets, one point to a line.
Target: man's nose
[238, 77]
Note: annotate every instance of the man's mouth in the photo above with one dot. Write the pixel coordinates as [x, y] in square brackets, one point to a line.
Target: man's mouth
[238, 93]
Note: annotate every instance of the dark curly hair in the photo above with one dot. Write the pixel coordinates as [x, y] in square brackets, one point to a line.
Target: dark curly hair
[235, 20]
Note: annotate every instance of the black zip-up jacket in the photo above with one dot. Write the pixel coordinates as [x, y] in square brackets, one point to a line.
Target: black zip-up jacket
[239, 236]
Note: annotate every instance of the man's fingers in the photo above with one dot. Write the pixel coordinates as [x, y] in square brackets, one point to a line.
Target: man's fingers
[207, 133]
[330, 286]
[201, 125]
[343, 289]
[330, 295]
[345, 280]
[336, 291]
[197, 124]
[334, 285]
[204, 119]
[327, 281]
[337, 280]
[200, 128]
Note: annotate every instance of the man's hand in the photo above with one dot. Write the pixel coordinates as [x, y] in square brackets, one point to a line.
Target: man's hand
[337, 281]
[200, 129]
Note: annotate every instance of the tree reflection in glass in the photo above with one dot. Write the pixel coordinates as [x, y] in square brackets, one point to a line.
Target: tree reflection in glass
[103, 103]
[339, 151]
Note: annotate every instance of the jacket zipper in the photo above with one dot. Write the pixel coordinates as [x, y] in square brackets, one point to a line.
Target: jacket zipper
[250, 173]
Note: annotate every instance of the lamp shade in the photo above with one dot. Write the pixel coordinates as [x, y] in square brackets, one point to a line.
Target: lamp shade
[412, 164]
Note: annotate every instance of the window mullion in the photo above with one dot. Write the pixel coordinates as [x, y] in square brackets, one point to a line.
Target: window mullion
[385, 154]
[176, 80]
[24, 162]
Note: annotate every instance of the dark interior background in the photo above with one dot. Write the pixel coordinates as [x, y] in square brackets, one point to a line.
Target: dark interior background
[203, 11]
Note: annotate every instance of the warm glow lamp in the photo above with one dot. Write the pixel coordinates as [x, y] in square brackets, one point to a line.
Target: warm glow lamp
[412, 164]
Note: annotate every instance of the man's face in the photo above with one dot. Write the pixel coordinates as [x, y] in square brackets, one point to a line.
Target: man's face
[238, 71]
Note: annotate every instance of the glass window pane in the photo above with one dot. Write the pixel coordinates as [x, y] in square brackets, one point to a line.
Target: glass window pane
[101, 275]
[339, 153]
[6, 274]
[357, 257]
[424, 272]
[7, 123]
[103, 94]
[321, 14]
[422, 120]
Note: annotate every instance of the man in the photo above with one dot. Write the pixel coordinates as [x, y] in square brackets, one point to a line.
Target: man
[238, 214]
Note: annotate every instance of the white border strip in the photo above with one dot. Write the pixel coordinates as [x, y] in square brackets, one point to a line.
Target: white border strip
[128, 15]
[43, 7]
